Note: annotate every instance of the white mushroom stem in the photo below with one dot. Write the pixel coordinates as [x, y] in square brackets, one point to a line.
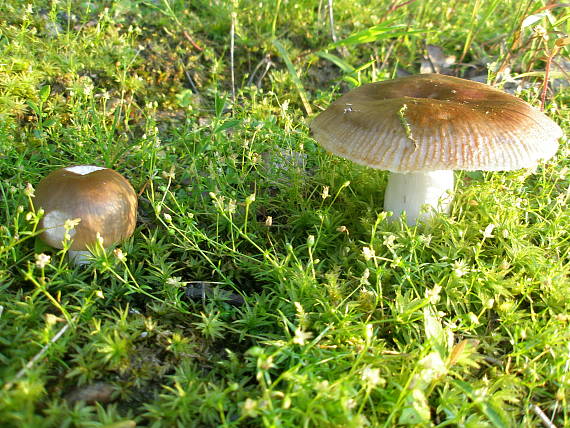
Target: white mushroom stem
[411, 192]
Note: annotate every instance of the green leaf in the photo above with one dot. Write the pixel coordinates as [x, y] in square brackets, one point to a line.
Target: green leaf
[346, 68]
[219, 105]
[487, 405]
[339, 62]
[435, 333]
[49, 122]
[227, 125]
[34, 107]
[185, 98]
[44, 93]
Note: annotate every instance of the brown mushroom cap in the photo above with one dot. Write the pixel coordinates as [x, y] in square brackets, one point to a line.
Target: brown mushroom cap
[102, 198]
[435, 122]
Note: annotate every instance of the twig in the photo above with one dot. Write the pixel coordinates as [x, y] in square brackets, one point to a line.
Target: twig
[387, 55]
[331, 21]
[192, 42]
[396, 6]
[232, 46]
[190, 80]
[268, 65]
[542, 416]
[565, 41]
[39, 355]
[562, 380]
[342, 51]
[546, 77]
[143, 188]
[428, 56]
[256, 69]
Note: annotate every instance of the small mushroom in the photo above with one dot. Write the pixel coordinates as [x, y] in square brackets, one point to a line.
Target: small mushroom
[103, 200]
[423, 127]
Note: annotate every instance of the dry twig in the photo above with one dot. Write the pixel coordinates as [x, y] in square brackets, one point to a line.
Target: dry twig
[232, 46]
[545, 420]
[39, 355]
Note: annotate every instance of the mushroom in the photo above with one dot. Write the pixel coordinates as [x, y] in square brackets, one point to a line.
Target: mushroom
[421, 128]
[103, 200]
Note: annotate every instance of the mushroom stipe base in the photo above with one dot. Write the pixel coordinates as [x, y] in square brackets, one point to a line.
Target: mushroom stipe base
[419, 194]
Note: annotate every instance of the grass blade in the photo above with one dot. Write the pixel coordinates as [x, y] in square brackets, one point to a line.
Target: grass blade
[293, 72]
[375, 33]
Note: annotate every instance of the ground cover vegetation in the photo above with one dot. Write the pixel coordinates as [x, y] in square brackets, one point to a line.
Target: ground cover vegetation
[263, 285]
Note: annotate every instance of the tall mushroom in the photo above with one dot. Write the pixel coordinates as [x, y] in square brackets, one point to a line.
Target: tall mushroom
[421, 128]
[103, 200]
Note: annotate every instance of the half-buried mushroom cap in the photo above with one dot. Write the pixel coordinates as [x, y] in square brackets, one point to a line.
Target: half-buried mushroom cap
[101, 198]
[432, 122]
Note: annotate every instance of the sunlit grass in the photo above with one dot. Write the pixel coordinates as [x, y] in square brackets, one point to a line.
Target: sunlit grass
[263, 285]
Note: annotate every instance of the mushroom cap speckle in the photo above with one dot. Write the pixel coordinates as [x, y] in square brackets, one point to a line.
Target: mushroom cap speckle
[102, 198]
[435, 122]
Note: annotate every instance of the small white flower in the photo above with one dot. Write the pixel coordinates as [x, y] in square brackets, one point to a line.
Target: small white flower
[42, 260]
[170, 174]
[88, 89]
[100, 239]
[122, 257]
[29, 190]
[176, 281]
[231, 207]
[488, 232]
[342, 229]
[473, 318]
[433, 368]
[368, 253]
[250, 407]
[51, 319]
[425, 239]
[322, 386]
[301, 336]
[389, 241]
[460, 268]
[351, 403]
[433, 294]
[70, 224]
[250, 199]
[372, 377]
